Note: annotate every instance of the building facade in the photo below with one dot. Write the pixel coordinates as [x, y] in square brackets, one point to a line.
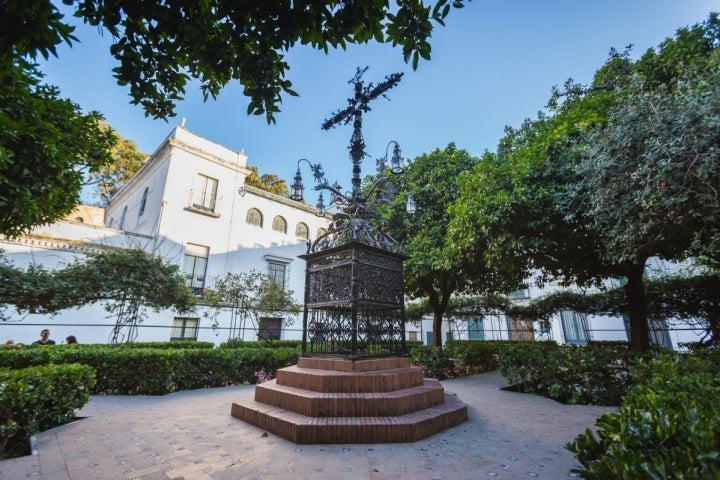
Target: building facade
[565, 327]
[189, 205]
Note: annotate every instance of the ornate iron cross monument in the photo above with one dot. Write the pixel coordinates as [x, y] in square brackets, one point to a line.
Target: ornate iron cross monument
[354, 311]
[354, 287]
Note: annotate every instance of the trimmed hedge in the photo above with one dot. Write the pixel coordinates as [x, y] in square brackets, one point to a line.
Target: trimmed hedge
[667, 427]
[571, 374]
[237, 343]
[157, 371]
[37, 398]
[185, 344]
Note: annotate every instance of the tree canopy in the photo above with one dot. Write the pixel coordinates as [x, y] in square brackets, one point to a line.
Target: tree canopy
[614, 173]
[126, 161]
[269, 182]
[431, 269]
[160, 46]
[100, 276]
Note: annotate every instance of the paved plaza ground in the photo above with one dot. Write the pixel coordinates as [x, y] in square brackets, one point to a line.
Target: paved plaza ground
[191, 436]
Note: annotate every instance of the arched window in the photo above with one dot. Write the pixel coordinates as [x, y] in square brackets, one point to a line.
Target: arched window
[279, 224]
[321, 232]
[254, 217]
[301, 231]
[122, 219]
[143, 202]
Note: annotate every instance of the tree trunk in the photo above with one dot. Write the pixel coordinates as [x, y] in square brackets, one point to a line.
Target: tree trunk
[437, 328]
[637, 308]
[438, 304]
[713, 328]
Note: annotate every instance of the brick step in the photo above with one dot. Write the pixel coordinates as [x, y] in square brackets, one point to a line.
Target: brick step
[346, 365]
[326, 404]
[320, 380]
[303, 429]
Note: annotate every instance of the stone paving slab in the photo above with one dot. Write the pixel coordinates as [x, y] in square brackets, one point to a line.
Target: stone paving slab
[192, 436]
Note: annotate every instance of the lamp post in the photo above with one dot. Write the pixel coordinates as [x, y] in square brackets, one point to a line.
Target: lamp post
[354, 286]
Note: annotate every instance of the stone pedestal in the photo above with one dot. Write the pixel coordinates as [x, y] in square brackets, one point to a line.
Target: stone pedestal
[334, 400]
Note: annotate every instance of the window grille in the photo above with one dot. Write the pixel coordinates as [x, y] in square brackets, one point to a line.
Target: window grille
[254, 217]
[279, 224]
[277, 272]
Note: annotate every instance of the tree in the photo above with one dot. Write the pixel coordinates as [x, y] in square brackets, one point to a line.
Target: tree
[544, 203]
[432, 269]
[126, 161]
[269, 182]
[126, 280]
[47, 144]
[160, 46]
[648, 179]
[251, 293]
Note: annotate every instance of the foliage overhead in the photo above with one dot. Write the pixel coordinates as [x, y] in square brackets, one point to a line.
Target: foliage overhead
[161, 46]
[648, 180]
[47, 145]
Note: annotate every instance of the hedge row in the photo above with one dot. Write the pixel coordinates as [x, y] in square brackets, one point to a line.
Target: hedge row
[157, 371]
[668, 426]
[596, 374]
[466, 357]
[37, 398]
[237, 343]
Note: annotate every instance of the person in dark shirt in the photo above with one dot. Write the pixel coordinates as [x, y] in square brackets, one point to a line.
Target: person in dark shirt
[44, 338]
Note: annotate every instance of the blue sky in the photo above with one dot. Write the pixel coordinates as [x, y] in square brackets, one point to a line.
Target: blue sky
[493, 65]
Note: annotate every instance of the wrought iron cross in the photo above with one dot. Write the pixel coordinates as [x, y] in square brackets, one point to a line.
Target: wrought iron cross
[364, 94]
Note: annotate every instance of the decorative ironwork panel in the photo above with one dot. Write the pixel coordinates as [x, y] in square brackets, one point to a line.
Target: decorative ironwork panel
[381, 279]
[346, 230]
[380, 333]
[330, 284]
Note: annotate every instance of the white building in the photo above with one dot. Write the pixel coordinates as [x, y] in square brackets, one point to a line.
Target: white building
[566, 327]
[188, 204]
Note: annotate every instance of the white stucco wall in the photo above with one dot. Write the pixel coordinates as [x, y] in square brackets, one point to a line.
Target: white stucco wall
[168, 224]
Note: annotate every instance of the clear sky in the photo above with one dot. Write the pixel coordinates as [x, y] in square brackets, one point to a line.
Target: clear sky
[493, 65]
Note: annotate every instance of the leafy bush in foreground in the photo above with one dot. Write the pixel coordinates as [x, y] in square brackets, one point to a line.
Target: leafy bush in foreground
[37, 398]
[668, 427]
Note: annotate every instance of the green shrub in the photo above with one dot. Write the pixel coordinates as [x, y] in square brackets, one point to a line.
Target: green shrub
[157, 371]
[239, 343]
[435, 362]
[668, 427]
[572, 374]
[523, 363]
[37, 398]
[477, 356]
[187, 344]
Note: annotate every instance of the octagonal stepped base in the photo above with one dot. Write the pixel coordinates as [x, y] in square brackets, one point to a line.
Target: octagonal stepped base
[330, 400]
